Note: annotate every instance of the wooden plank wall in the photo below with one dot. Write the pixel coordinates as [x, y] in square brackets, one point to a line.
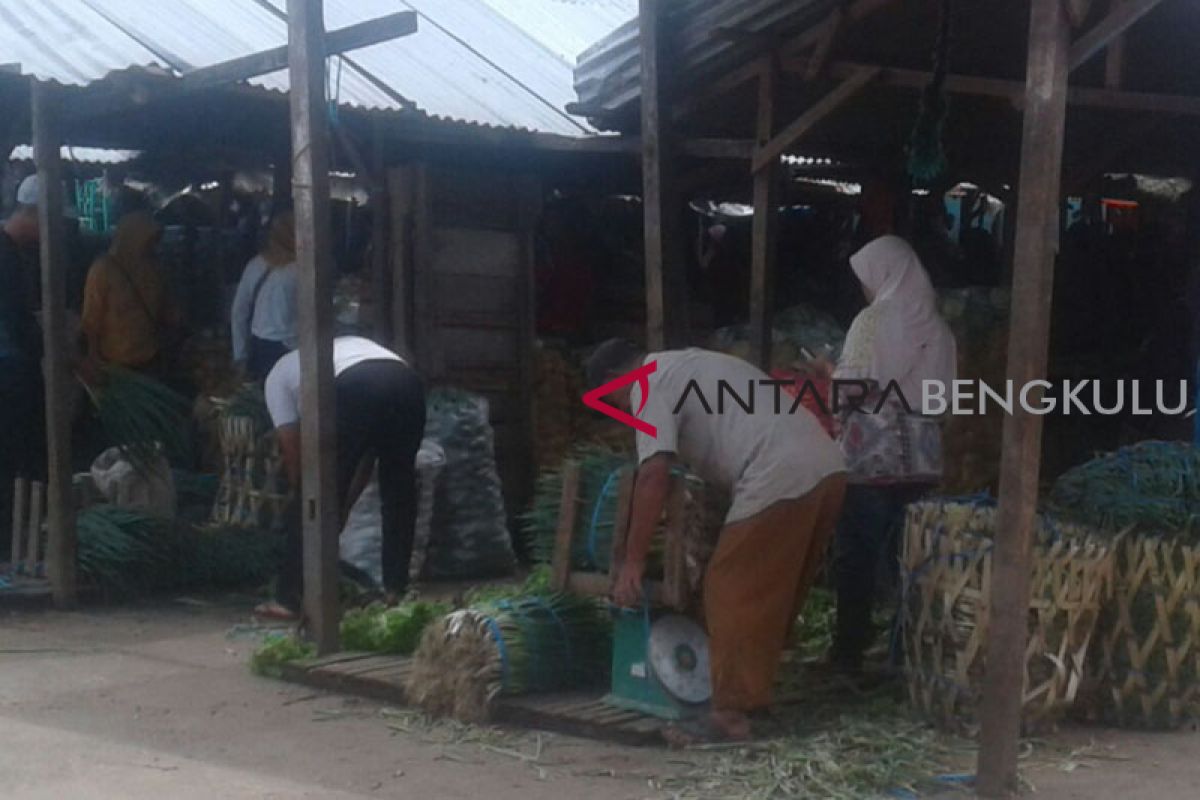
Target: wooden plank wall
[471, 281]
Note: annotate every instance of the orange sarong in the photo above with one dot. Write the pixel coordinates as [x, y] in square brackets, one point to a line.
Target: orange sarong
[756, 583]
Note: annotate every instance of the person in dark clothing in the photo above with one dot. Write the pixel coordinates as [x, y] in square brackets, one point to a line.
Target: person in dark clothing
[21, 407]
[380, 403]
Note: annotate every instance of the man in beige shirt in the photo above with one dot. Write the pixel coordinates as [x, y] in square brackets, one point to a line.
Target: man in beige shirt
[734, 427]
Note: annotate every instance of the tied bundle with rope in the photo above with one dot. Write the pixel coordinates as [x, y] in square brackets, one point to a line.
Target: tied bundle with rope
[509, 646]
[1146, 497]
[947, 571]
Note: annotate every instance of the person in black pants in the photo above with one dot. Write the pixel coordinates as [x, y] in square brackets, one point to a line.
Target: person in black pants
[380, 417]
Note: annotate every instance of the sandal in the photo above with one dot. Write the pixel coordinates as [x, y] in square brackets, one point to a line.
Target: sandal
[275, 611]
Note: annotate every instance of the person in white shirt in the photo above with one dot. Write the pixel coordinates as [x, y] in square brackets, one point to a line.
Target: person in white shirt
[263, 319]
[786, 477]
[380, 417]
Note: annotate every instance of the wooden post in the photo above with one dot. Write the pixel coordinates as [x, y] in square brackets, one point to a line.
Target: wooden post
[381, 283]
[665, 290]
[1038, 209]
[20, 497]
[765, 225]
[47, 141]
[564, 534]
[310, 165]
[400, 234]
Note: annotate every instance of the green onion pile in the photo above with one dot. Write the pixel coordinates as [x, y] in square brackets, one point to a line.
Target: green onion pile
[517, 646]
[142, 417]
[277, 650]
[122, 550]
[596, 508]
[1149, 487]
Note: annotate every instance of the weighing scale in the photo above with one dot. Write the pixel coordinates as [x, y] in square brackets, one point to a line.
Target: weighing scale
[660, 665]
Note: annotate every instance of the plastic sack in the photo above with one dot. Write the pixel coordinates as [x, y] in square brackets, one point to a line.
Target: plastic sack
[470, 537]
[124, 486]
[361, 542]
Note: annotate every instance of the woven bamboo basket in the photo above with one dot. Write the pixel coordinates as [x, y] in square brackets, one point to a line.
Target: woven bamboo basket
[1149, 637]
[948, 567]
[254, 491]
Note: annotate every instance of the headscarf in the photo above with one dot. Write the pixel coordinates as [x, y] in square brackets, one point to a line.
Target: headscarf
[132, 247]
[124, 299]
[900, 336]
[280, 249]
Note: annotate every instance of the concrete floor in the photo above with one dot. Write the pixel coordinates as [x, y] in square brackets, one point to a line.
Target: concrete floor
[158, 702]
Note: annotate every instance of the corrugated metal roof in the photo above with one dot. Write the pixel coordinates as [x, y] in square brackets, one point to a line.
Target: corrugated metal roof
[504, 63]
[608, 75]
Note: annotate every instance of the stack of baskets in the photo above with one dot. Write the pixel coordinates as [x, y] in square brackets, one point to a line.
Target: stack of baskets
[1147, 497]
[947, 564]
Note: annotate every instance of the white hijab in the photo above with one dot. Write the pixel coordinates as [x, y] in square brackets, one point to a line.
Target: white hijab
[900, 336]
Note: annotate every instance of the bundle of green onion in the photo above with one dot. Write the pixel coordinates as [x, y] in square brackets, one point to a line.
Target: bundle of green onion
[518, 646]
[596, 508]
[1149, 487]
[123, 550]
[142, 417]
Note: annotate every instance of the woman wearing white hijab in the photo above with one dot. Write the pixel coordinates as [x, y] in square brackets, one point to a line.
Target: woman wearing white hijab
[893, 453]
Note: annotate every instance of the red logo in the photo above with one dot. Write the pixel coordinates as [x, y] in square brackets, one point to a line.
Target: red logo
[592, 399]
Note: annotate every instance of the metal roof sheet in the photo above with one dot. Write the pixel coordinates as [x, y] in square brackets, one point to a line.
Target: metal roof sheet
[503, 63]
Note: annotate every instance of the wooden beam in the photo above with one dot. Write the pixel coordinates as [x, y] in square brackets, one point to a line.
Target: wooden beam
[1013, 91]
[661, 212]
[314, 256]
[402, 253]
[850, 86]
[1038, 207]
[47, 141]
[352, 37]
[1119, 20]
[824, 47]
[855, 11]
[1077, 11]
[765, 226]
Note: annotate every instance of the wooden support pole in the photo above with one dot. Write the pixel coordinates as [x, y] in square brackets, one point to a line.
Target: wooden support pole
[564, 534]
[310, 166]
[850, 86]
[665, 295]
[1036, 245]
[381, 279]
[400, 235]
[20, 499]
[47, 141]
[1119, 20]
[765, 227]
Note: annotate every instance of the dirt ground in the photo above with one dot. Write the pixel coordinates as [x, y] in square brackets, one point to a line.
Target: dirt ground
[158, 702]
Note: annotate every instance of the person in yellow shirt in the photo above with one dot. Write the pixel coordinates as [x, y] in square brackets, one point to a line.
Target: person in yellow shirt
[127, 315]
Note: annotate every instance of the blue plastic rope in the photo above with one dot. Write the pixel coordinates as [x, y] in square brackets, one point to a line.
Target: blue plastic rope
[494, 629]
[597, 507]
[562, 628]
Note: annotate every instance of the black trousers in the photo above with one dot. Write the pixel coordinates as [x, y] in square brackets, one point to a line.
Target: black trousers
[261, 356]
[380, 415]
[866, 549]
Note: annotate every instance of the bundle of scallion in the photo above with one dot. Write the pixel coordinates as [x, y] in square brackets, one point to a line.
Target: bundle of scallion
[123, 550]
[1149, 487]
[516, 646]
[596, 508]
[142, 416]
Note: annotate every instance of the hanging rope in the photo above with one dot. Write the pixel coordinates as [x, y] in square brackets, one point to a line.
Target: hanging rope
[926, 157]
